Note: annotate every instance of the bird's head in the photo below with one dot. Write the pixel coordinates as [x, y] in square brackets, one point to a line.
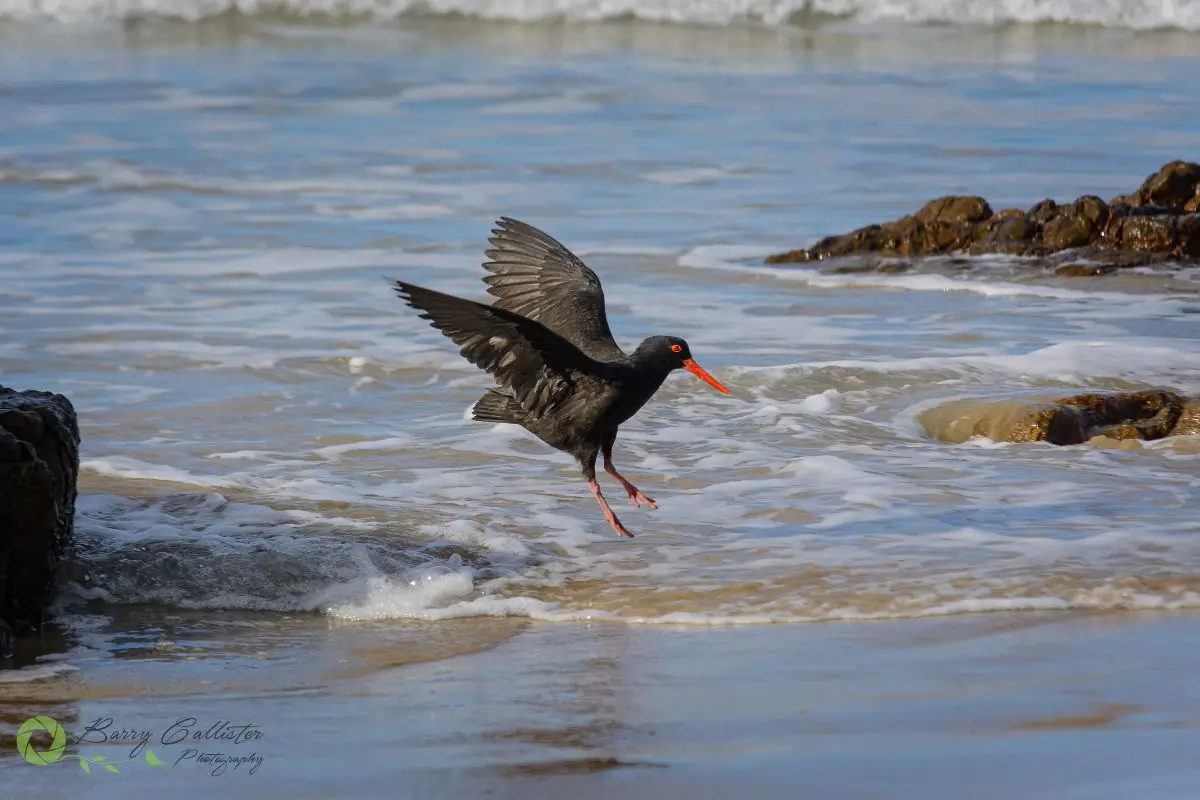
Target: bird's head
[674, 353]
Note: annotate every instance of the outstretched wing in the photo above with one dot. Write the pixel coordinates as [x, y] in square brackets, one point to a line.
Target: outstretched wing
[538, 365]
[537, 277]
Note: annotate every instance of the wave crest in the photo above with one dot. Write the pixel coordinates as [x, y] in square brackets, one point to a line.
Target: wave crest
[1136, 14]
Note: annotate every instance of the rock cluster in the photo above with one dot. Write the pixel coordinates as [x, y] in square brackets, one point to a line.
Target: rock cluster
[1159, 222]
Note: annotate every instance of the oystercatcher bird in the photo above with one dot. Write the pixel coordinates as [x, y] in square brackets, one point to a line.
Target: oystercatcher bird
[546, 342]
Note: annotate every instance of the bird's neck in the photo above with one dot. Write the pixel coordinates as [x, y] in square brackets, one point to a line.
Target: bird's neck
[649, 368]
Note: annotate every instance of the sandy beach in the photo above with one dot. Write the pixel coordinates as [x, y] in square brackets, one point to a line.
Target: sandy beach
[991, 706]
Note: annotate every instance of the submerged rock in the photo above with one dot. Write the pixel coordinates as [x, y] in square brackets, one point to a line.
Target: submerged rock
[1158, 222]
[39, 463]
[1145, 416]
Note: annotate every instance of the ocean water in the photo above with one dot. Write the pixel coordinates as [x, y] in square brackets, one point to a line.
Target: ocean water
[198, 211]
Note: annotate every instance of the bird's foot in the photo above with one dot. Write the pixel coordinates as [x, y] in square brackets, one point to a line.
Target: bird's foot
[621, 530]
[608, 512]
[639, 499]
[635, 494]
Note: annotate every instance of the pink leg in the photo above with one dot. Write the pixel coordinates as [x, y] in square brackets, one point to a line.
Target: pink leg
[635, 494]
[608, 512]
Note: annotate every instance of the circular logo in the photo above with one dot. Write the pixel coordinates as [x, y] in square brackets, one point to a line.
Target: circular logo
[29, 749]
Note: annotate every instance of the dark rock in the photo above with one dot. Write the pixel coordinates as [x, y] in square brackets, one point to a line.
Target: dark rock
[955, 210]
[1061, 425]
[1092, 209]
[1174, 186]
[906, 236]
[1188, 232]
[1043, 212]
[1147, 234]
[1076, 225]
[1067, 231]
[39, 463]
[792, 256]
[1013, 235]
[1077, 270]
[1188, 423]
[1147, 415]
[1122, 259]
[884, 267]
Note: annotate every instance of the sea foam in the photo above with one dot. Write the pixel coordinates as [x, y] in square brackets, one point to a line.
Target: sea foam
[1137, 14]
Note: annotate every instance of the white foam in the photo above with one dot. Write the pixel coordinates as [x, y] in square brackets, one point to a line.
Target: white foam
[204, 551]
[136, 469]
[932, 282]
[36, 672]
[475, 534]
[333, 451]
[1074, 362]
[420, 601]
[384, 598]
[692, 175]
[1138, 14]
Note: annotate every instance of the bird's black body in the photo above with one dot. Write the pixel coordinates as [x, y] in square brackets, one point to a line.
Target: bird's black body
[547, 343]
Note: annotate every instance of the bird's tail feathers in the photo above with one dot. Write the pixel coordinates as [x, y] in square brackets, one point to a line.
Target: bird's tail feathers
[497, 406]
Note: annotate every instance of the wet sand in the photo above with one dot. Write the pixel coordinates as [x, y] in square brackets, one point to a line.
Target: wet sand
[989, 706]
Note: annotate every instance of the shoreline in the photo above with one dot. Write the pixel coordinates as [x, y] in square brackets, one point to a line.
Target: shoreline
[1034, 705]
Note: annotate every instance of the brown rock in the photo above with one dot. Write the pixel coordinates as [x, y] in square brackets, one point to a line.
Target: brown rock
[883, 267]
[1008, 213]
[1148, 234]
[1173, 186]
[1188, 423]
[790, 257]
[1043, 212]
[1076, 225]
[946, 237]
[1092, 209]
[1117, 212]
[1078, 270]
[1061, 425]
[1125, 430]
[1012, 235]
[1150, 414]
[1188, 233]
[906, 236]
[1066, 231]
[955, 209]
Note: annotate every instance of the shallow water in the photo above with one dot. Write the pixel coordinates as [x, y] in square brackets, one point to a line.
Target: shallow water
[195, 226]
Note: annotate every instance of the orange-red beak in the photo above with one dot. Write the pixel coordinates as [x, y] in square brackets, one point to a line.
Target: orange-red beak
[694, 368]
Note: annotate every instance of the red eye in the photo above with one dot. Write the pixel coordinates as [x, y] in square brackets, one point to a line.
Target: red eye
[676, 348]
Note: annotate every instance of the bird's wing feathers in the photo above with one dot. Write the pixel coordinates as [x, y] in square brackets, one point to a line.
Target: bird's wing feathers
[537, 364]
[534, 275]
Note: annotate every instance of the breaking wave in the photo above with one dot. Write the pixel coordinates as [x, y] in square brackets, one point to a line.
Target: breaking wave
[1136, 14]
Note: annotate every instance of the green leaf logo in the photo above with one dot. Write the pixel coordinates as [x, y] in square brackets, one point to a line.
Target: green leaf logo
[28, 749]
[152, 759]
